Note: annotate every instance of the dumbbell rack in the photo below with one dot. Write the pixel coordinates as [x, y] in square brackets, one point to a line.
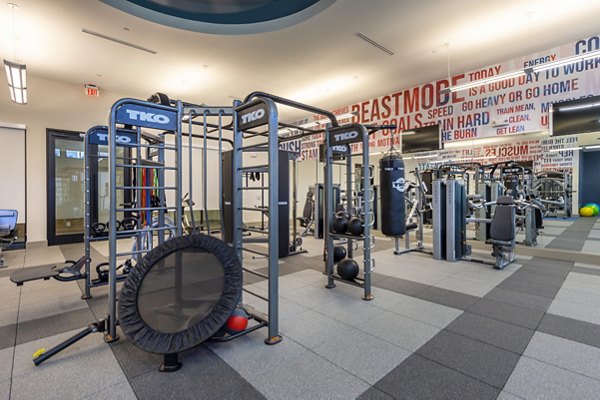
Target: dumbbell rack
[338, 142]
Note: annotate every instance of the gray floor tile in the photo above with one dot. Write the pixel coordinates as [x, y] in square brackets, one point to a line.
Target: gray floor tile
[361, 354]
[487, 363]
[508, 396]
[213, 379]
[8, 333]
[5, 390]
[80, 370]
[306, 375]
[310, 296]
[572, 329]
[428, 312]
[582, 312]
[8, 315]
[53, 325]
[374, 394]
[6, 362]
[447, 298]
[578, 297]
[311, 328]
[60, 305]
[519, 299]
[401, 331]
[516, 315]
[563, 353]
[420, 378]
[507, 336]
[533, 379]
[118, 391]
[351, 310]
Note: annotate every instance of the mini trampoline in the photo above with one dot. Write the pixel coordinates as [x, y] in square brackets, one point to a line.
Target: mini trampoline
[180, 294]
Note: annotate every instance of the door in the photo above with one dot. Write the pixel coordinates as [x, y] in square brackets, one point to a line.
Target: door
[14, 186]
[65, 191]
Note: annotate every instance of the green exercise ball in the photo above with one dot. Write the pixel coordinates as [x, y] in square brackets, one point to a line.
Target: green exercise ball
[595, 207]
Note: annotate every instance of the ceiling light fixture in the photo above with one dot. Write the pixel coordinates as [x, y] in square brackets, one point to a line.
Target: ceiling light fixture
[16, 73]
[579, 107]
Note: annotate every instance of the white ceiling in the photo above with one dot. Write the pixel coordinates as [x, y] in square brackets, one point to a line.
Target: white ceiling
[319, 61]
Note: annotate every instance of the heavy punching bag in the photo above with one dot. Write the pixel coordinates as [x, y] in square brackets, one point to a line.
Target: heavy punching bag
[393, 207]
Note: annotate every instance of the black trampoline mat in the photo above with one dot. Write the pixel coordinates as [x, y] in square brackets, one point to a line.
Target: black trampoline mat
[180, 290]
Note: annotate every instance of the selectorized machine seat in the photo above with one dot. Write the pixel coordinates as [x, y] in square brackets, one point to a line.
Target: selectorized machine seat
[502, 231]
[308, 213]
[8, 230]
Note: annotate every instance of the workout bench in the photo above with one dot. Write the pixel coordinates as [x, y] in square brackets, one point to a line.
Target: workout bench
[502, 232]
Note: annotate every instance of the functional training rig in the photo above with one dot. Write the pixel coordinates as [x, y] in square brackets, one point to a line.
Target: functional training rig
[166, 121]
[338, 140]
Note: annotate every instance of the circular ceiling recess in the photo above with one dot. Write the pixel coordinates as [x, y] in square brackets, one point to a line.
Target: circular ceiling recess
[226, 17]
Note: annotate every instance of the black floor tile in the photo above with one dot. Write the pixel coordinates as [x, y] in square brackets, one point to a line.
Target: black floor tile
[203, 376]
[516, 315]
[447, 297]
[529, 288]
[558, 273]
[497, 333]
[529, 277]
[420, 378]
[401, 286]
[53, 325]
[133, 360]
[374, 394]
[8, 333]
[587, 271]
[519, 299]
[481, 361]
[572, 329]
[549, 263]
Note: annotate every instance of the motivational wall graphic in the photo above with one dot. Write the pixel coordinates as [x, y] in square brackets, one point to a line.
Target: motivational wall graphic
[500, 109]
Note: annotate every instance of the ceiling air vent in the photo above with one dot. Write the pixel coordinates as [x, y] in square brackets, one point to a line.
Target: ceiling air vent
[374, 43]
[119, 41]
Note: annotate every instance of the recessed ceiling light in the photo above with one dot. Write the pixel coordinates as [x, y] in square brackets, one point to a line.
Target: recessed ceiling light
[12, 5]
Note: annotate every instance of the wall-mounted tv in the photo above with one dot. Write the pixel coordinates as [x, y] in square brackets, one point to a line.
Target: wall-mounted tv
[575, 116]
[426, 138]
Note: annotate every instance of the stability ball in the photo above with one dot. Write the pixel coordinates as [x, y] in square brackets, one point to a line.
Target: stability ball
[586, 211]
[355, 226]
[339, 253]
[594, 207]
[237, 322]
[348, 269]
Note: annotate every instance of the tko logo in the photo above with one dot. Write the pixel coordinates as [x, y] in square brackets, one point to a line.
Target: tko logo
[103, 137]
[148, 117]
[398, 184]
[345, 136]
[339, 149]
[253, 116]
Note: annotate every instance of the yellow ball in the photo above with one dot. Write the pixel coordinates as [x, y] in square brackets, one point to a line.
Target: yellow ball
[586, 211]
